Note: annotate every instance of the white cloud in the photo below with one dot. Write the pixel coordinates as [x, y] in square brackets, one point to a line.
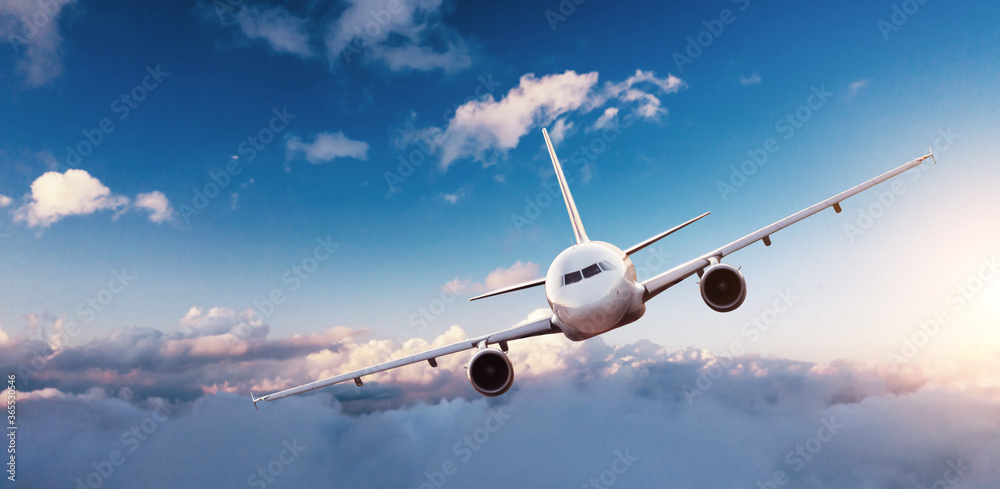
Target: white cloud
[606, 119]
[283, 31]
[326, 147]
[753, 79]
[32, 29]
[4, 338]
[560, 130]
[488, 125]
[856, 86]
[515, 274]
[403, 35]
[5, 201]
[57, 195]
[157, 204]
[485, 129]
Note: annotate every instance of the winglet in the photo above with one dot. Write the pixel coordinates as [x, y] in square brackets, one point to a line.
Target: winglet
[255, 399]
[574, 215]
[931, 152]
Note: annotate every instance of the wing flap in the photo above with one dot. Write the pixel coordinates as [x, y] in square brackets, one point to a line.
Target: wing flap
[534, 328]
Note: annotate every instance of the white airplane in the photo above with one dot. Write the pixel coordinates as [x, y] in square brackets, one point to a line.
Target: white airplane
[592, 289]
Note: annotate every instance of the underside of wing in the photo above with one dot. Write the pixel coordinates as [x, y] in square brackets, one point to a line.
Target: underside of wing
[537, 327]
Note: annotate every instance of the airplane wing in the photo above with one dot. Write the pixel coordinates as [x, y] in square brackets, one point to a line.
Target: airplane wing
[534, 328]
[675, 275]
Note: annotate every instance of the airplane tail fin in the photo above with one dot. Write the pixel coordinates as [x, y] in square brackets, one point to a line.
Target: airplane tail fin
[574, 215]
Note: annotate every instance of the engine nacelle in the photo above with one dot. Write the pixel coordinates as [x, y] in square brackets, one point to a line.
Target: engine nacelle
[490, 372]
[723, 287]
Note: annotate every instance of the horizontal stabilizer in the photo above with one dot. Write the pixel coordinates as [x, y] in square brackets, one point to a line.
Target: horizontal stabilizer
[524, 285]
[662, 235]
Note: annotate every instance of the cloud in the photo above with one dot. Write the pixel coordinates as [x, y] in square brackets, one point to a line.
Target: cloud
[5, 201]
[157, 204]
[857, 427]
[485, 129]
[560, 130]
[4, 338]
[326, 147]
[401, 35]
[283, 32]
[753, 79]
[497, 279]
[855, 87]
[32, 29]
[57, 195]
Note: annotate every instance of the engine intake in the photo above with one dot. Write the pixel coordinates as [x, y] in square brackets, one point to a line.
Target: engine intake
[490, 372]
[723, 287]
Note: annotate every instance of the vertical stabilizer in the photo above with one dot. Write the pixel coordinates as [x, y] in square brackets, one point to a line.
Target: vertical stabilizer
[574, 216]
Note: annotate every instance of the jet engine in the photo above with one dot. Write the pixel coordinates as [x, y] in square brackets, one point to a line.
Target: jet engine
[723, 287]
[490, 372]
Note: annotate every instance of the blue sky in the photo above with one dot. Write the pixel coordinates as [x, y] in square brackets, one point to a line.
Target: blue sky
[845, 92]
[889, 98]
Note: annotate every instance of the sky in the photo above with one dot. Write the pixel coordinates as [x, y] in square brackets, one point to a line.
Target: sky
[199, 199]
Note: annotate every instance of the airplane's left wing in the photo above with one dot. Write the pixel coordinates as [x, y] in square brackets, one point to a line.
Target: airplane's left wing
[675, 275]
[534, 328]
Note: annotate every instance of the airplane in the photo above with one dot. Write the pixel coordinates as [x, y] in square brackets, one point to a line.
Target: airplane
[592, 288]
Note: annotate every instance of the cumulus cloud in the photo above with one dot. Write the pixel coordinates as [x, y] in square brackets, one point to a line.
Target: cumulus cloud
[4, 338]
[32, 29]
[5, 200]
[57, 195]
[326, 147]
[485, 129]
[283, 31]
[838, 425]
[157, 205]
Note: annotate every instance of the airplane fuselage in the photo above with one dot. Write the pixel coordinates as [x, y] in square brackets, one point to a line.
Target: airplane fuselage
[592, 289]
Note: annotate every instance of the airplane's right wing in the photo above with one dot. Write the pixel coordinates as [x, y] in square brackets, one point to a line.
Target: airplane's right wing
[538, 327]
[675, 275]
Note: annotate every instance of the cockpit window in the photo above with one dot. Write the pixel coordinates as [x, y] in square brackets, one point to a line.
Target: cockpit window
[606, 266]
[591, 271]
[572, 277]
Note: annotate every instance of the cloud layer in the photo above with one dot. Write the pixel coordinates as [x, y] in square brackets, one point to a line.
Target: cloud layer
[833, 426]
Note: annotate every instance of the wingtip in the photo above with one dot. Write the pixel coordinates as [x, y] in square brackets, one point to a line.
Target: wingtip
[931, 152]
[254, 399]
